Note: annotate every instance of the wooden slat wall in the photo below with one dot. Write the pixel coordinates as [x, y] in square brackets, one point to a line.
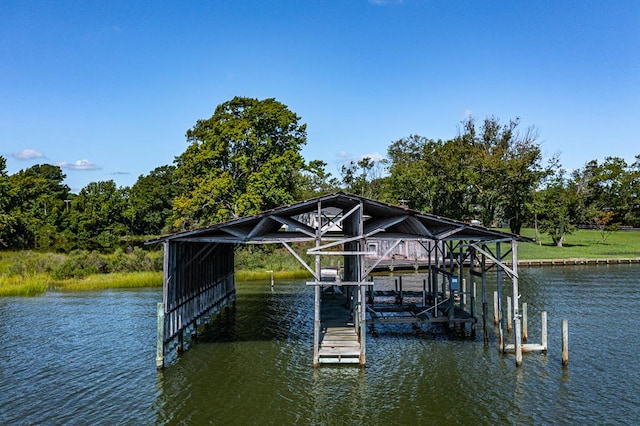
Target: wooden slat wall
[199, 277]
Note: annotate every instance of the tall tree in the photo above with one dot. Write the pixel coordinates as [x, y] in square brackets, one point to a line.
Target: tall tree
[97, 215]
[561, 203]
[242, 160]
[429, 175]
[506, 169]
[38, 200]
[8, 222]
[362, 177]
[151, 201]
[314, 180]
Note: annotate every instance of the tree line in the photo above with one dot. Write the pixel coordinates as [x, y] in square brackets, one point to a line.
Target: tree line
[246, 158]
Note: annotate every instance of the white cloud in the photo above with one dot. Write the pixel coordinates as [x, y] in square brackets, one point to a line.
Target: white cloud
[375, 156]
[79, 165]
[27, 154]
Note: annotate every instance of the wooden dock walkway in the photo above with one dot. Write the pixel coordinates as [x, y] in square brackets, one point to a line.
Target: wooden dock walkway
[339, 345]
[339, 342]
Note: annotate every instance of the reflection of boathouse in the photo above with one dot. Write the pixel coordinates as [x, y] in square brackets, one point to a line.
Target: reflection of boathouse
[362, 236]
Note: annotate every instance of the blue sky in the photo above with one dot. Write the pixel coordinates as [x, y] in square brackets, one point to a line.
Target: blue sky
[107, 90]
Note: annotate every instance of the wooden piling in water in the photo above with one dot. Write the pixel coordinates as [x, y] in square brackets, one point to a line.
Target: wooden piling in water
[509, 317]
[160, 337]
[472, 310]
[517, 342]
[543, 322]
[565, 342]
[495, 308]
[463, 295]
[524, 323]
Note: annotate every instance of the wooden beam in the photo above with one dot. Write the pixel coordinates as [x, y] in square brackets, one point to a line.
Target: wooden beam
[305, 229]
[384, 224]
[301, 260]
[449, 233]
[342, 241]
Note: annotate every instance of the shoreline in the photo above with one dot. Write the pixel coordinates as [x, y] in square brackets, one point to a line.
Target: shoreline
[579, 261]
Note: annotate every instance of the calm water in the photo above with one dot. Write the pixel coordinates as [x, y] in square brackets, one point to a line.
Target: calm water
[84, 358]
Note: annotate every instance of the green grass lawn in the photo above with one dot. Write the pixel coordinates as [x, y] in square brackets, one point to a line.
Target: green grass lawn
[582, 244]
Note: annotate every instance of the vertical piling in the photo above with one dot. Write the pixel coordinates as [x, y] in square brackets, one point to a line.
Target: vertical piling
[495, 308]
[565, 342]
[485, 303]
[509, 318]
[524, 323]
[472, 310]
[463, 295]
[517, 340]
[543, 322]
[160, 338]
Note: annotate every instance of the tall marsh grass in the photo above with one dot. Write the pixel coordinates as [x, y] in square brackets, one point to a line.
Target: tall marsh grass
[266, 275]
[116, 280]
[24, 285]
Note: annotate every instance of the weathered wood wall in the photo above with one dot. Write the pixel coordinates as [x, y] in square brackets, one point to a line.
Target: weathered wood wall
[198, 282]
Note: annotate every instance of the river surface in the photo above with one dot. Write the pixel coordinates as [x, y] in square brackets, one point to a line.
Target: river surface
[89, 358]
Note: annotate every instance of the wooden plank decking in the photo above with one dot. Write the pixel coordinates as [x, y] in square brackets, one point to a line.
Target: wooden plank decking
[339, 345]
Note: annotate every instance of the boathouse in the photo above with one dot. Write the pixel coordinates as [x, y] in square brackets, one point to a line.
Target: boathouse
[360, 235]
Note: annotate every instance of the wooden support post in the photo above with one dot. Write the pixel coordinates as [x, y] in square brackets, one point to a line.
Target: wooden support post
[517, 342]
[496, 308]
[509, 318]
[543, 322]
[317, 293]
[400, 294]
[472, 309]
[501, 340]
[463, 295]
[363, 325]
[485, 303]
[565, 342]
[499, 274]
[524, 323]
[160, 338]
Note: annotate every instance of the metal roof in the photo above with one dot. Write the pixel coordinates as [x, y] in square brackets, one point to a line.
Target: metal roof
[382, 221]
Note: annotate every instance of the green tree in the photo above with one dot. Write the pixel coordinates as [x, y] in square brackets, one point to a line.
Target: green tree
[506, 170]
[97, 216]
[242, 160]
[37, 200]
[313, 180]
[362, 177]
[151, 201]
[8, 221]
[561, 204]
[410, 177]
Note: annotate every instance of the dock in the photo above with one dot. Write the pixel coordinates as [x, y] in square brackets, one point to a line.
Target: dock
[339, 341]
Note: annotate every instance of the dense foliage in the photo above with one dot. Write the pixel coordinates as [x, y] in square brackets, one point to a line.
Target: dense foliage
[247, 158]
